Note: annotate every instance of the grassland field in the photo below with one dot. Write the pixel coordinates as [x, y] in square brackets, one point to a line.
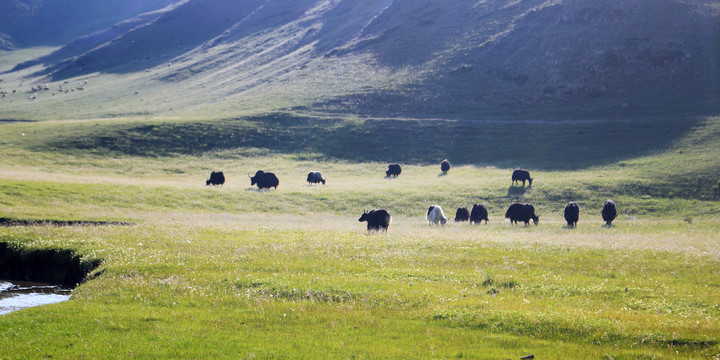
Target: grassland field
[233, 272]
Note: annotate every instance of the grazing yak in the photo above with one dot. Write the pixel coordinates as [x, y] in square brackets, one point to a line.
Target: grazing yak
[478, 214]
[521, 212]
[609, 212]
[393, 170]
[462, 214]
[216, 178]
[521, 175]
[445, 166]
[315, 177]
[436, 216]
[264, 180]
[376, 220]
[572, 214]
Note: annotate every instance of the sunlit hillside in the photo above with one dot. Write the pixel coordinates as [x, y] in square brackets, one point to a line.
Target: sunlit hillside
[383, 58]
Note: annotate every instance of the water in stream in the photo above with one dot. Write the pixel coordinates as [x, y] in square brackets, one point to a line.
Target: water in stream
[18, 295]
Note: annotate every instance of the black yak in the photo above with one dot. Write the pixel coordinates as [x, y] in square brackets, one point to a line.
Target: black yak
[436, 216]
[462, 214]
[521, 175]
[264, 180]
[216, 178]
[393, 170]
[478, 214]
[609, 212]
[572, 214]
[521, 212]
[315, 177]
[445, 166]
[376, 220]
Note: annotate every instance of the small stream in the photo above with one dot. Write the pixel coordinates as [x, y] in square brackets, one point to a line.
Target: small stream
[17, 295]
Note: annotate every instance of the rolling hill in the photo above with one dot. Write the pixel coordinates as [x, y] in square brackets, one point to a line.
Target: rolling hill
[389, 58]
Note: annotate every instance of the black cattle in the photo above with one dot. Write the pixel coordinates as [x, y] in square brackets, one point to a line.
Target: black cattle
[521, 212]
[521, 175]
[609, 212]
[393, 170]
[572, 214]
[216, 178]
[478, 214]
[315, 177]
[462, 214]
[264, 180]
[445, 166]
[376, 220]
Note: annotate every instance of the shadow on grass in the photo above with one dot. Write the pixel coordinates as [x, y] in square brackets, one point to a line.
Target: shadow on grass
[517, 191]
[541, 145]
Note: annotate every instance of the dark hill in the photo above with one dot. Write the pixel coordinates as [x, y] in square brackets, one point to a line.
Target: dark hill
[26, 23]
[162, 38]
[421, 58]
[613, 57]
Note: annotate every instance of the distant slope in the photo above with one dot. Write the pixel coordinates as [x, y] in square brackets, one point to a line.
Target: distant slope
[612, 57]
[161, 39]
[88, 42]
[407, 58]
[26, 23]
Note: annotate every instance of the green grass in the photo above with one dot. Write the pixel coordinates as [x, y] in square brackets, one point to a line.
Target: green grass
[224, 288]
[232, 272]
[541, 145]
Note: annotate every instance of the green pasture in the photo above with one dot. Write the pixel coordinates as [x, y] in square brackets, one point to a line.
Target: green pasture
[232, 272]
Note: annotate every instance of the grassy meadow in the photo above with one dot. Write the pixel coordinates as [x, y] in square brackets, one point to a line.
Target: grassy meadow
[232, 272]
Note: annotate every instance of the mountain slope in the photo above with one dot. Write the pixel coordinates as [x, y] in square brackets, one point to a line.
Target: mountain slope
[407, 58]
[632, 56]
[27, 23]
[165, 37]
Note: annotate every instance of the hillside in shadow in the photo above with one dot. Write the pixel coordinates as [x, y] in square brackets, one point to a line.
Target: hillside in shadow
[535, 144]
[55, 23]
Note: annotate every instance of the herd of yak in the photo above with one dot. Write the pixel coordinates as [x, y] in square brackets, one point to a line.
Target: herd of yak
[379, 220]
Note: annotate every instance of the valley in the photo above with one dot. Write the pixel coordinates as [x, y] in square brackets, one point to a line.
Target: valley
[110, 129]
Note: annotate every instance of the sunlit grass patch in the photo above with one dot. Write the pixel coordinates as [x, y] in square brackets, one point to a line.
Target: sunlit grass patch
[297, 274]
[227, 271]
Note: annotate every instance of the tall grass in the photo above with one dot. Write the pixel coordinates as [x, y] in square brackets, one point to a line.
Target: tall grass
[231, 286]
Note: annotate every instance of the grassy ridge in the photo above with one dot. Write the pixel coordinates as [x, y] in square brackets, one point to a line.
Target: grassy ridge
[542, 145]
